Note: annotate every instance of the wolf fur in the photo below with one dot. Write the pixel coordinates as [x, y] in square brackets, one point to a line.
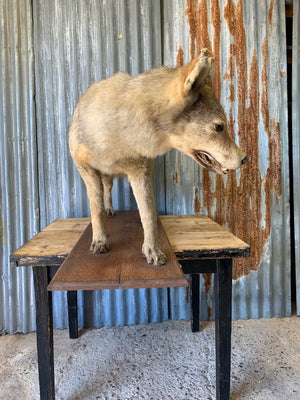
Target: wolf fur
[121, 124]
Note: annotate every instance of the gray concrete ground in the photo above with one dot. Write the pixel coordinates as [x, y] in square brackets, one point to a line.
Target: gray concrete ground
[159, 362]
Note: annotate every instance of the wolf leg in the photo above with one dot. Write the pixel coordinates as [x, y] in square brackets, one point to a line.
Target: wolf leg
[93, 182]
[107, 185]
[141, 183]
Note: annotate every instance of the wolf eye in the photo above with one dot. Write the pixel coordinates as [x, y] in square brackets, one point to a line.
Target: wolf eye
[218, 127]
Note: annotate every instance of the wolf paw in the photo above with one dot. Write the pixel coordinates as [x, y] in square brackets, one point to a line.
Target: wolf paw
[154, 256]
[110, 212]
[98, 247]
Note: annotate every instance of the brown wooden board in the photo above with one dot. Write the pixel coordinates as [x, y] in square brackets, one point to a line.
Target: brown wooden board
[197, 236]
[83, 270]
[123, 266]
[137, 273]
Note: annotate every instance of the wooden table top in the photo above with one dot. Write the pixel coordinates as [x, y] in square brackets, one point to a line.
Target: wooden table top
[124, 266]
[191, 237]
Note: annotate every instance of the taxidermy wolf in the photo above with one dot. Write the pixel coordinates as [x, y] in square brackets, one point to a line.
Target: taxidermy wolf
[121, 124]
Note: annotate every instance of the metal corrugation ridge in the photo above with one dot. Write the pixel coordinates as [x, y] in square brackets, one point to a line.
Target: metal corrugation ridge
[296, 140]
[247, 40]
[19, 186]
[77, 43]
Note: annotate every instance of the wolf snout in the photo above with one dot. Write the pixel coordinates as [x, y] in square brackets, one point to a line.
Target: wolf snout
[244, 160]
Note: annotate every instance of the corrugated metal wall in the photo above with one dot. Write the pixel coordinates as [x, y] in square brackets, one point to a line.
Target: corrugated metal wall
[76, 44]
[296, 140]
[51, 51]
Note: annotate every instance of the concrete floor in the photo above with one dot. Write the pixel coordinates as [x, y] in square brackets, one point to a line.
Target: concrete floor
[159, 362]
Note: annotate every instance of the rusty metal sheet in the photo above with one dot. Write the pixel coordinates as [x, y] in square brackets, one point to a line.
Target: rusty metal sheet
[247, 40]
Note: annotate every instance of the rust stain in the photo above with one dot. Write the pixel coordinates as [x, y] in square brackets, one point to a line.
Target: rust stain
[238, 202]
[187, 293]
[264, 96]
[209, 311]
[207, 194]
[282, 74]
[229, 75]
[196, 202]
[253, 179]
[237, 195]
[234, 16]
[216, 21]
[275, 157]
[179, 58]
[175, 177]
[271, 12]
[191, 13]
[231, 96]
[207, 282]
[198, 23]
[219, 215]
[272, 183]
[203, 39]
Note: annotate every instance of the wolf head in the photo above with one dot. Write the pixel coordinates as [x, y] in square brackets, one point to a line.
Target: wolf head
[200, 129]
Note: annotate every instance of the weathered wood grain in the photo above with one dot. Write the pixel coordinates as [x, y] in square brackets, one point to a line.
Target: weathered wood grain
[83, 270]
[124, 266]
[137, 273]
[191, 237]
[52, 245]
[194, 236]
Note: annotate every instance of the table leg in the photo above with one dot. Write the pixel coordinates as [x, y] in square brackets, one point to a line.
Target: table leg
[195, 298]
[73, 314]
[44, 331]
[223, 305]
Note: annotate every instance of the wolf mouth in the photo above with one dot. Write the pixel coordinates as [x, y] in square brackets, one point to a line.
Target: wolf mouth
[209, 162]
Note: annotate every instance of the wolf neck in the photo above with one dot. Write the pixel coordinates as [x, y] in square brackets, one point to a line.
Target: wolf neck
[153, 145]
[153, 116]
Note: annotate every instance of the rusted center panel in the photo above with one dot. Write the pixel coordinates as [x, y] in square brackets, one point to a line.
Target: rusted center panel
[241, 202]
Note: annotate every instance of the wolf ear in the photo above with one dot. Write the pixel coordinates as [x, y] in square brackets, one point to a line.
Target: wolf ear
[197, 71]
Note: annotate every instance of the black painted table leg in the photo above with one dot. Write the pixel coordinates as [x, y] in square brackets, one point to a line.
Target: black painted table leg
[44, 331]
[73, 314]
[195, 297]
[223, 305]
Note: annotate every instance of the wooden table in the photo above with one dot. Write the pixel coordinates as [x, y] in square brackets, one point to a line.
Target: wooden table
[200, 245]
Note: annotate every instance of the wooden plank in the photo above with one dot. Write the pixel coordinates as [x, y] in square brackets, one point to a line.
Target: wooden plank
[83, 270]
[197, 236]
[52, 245]
[123, 266]
[136, 272]
[68, 224]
